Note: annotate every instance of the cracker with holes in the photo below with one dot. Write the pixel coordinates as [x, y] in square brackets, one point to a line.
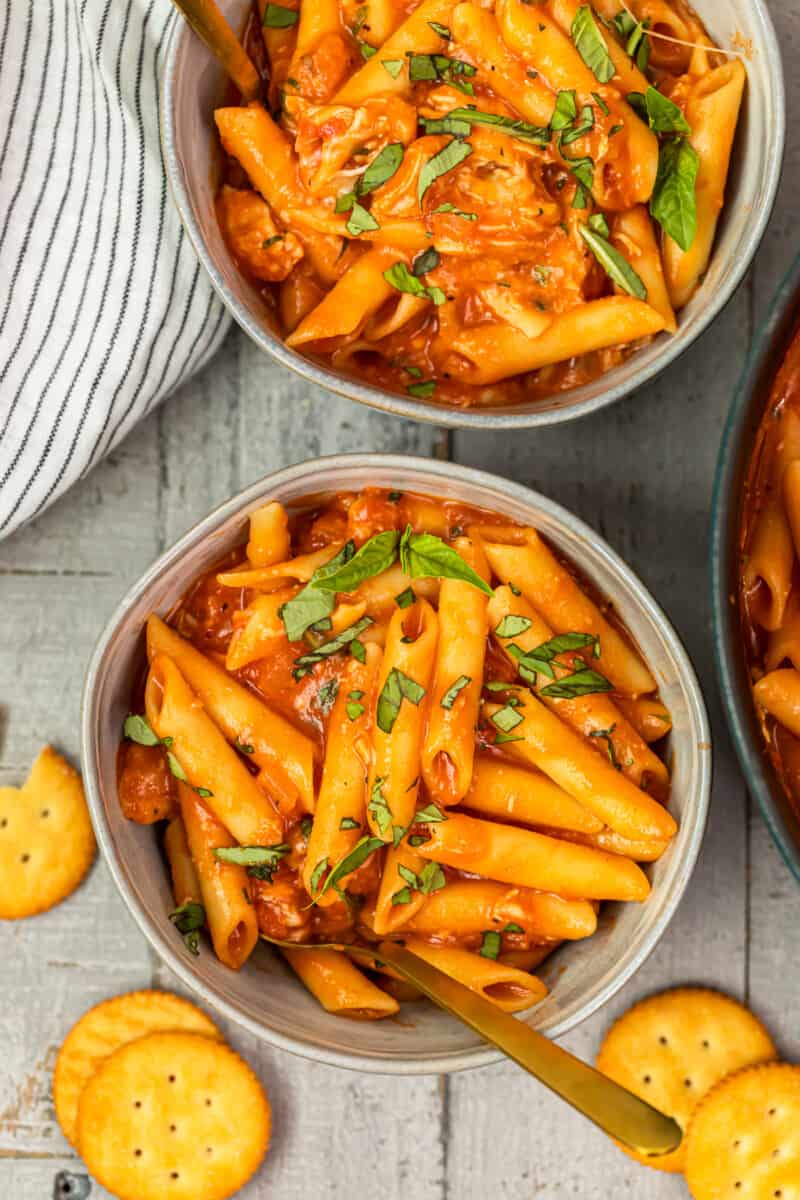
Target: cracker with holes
[671, 1048]
[744, 1137]
[46, 839]
[173, 1116]
[106, 1027]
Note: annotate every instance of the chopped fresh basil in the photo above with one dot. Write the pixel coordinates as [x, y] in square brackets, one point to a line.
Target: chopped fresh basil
[360, 221]
[449, 698]
[425, 556]
[367, 51]
[445, 160]
[176, 768]
[357, 650]
[407, 874]
[673, 203]
[406, 598]
[634, 36]
[422, 389]
[270, 241]
[203, 793]
[581, 683]
[252, 856]
[351, 862]
[402, 897]
[615, 265]
[512, 625]
[277, 16]
[514, 589]
[427, 260]
[354, 709]
[490, 944]
[506, 719]
[614, 130]
[393, 66]
[538, 135]
[399, 276]
[395, 497]
[430, 68]
[245, 748]
[431, 878]
[449, 208]
[375, 556]
[418, 839]
[312, 604]
[356, 694]
[349, 823]
[383, 166]
[189, 919]
[583, 171]
[327, 694]
[398, 833]
[601, 104]
[317, 873]
[600, 225]
[584, 125]
[398, 687]
[306, 824]
[605, 735]
[513, 927]
[137, 729]
[591, 46]
[441, 30]
[429, 815]
[661, 113]
[499, 685]
[565, 111]
[378, 806]
[306, 662]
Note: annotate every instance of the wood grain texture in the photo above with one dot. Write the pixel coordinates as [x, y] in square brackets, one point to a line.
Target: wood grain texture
[640, 473]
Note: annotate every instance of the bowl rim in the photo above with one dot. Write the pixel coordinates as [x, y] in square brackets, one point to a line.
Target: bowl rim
[247, 498]
[482, 418]
[766, 352]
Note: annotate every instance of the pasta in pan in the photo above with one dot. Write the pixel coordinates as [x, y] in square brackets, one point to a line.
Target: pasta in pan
[438, 735]
[478, 203]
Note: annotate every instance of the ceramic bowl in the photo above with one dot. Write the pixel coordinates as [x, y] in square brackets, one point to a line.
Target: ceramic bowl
[744, 419]
[265, 997]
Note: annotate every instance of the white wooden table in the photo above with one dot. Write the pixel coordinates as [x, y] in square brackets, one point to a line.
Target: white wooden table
[641, 474]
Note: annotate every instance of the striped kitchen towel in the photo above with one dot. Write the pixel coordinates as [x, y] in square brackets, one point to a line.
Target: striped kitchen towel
[104, 308]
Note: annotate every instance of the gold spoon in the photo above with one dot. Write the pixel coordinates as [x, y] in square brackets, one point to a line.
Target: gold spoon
[211, 27]
[614, 1109]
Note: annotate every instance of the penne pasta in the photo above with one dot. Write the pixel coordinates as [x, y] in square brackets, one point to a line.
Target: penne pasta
[471, 906]
[633, 234]
[778, 693]
[185, 884]
[225, 888]
[284, 754]
[414, 36]
[339, 986]
[269, 535]
[509, 792]
[204, 756]
[509, 988]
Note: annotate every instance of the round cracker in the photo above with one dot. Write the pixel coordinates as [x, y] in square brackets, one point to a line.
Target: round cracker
[106, 1027]
[173, 1115]
[46, 840]
[744, 1137]
[672, 1047]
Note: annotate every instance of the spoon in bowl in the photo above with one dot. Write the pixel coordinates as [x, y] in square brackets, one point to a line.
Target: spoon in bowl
[611, 1107]
[214, 31]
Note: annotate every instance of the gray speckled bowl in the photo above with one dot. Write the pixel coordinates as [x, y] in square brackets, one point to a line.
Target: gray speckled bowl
[265, 997]
[192, 88]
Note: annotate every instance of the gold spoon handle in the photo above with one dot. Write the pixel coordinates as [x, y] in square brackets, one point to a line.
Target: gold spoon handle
[614, 1109]
[211, 27]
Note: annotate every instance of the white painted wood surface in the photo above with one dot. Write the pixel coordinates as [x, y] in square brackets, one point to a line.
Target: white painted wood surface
[641, 474]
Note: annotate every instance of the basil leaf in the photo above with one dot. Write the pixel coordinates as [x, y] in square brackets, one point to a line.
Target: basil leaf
[357, 650]
[398, 833]
[176, 768]
[203, 793]
[428, 68]
[581, 683]
[539, 135]
[585, 125]
[634, 34]
[399, 276]
[426, 388]
[352, 861]
[661, 113]
[418, 839]
[354, 709]
[449, 698]
[378, 806]
[431, 878]
[442, 30]
[305, 663]
[277, 16]
[137, 729]
[513, 927]
[406, 598]
[344, 202]
[425, 556]
[512, 625]
[591, 46]
[500, 685]
[615, 265]
[447, 158]
[428, 260]
[565, 111]
[375, 556]
[562, 642]
[605, 735]
[311, 604]
[317, 873]
[306, 824]
[326, 696]
[349, 823]
[189, 919]
[506, 719]
[402, 897]
[408, 875]
[600, 225]
[398, 687]
[252, 856]
[245, 748]
[490, 945]
[393, 66]
[429, 815]
[449, 208]
[673, 202]
[360, 221]
[367, 51]
[381, 169]
[601, 104]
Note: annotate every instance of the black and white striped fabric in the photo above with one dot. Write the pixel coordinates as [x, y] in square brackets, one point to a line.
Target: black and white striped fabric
[104, 308]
